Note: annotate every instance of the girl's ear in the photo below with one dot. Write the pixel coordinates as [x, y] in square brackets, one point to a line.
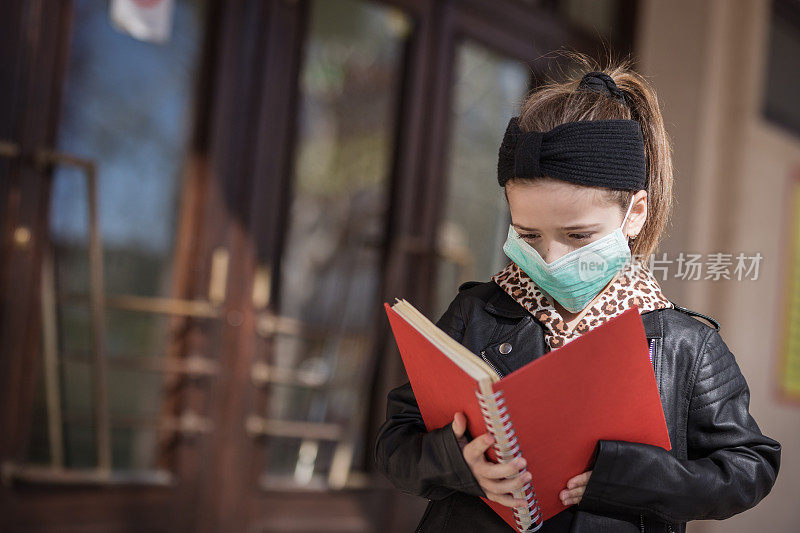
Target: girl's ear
[638, 214]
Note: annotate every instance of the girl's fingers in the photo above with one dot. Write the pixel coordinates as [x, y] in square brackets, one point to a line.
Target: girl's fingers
[581, 479]
[492, 470]
[473, 452]
[506, 499]
[573, 493]
[459, 424]
[506, 485]
[503, 470]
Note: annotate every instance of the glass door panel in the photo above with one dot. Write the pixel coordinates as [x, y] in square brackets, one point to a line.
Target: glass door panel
[488, 90]
[317, 350]
[127, 116]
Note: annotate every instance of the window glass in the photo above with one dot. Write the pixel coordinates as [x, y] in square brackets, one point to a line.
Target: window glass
[488, 91]
[127, 107]
[331, 264]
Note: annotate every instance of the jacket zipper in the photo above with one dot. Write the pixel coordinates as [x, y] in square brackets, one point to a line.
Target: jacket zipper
[424, 516]
[483, 356]
[652, 345]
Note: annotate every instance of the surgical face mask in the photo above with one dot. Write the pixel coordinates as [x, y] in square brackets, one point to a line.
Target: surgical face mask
[575, 278]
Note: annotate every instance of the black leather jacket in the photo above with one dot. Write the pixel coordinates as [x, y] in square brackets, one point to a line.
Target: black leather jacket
[720, 463]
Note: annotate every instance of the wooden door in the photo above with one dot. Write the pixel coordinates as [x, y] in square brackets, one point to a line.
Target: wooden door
[123, 278]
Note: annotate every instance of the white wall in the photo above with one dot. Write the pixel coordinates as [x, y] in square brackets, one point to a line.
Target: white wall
[706, 60]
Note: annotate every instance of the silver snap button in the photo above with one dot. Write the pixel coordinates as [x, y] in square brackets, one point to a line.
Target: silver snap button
[505, 348]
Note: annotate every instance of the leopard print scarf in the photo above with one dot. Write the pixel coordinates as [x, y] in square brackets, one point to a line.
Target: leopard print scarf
[634, 285]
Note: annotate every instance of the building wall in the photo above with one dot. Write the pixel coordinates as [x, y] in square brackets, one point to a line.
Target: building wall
[732, 167]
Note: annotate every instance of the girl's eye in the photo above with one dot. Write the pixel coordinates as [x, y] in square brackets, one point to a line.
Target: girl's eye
[575, 236]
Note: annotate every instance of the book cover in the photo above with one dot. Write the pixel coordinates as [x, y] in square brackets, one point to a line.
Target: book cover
[598, 386]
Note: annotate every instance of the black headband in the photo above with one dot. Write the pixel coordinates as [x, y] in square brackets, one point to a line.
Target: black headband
[607, 153]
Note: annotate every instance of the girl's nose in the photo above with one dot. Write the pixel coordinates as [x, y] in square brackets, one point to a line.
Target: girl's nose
[553, 252]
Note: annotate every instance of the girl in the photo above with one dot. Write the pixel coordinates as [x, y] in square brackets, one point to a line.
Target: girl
[587, 173]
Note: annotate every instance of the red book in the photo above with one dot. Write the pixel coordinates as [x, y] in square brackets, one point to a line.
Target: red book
[551, 411]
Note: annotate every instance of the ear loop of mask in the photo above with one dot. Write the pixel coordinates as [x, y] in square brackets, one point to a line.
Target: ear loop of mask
[629, 239]
[626, 214]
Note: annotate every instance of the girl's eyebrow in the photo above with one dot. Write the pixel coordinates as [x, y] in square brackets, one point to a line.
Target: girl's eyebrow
[566, 228]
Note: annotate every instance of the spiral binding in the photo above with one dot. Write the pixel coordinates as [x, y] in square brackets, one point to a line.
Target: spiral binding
[508, 451]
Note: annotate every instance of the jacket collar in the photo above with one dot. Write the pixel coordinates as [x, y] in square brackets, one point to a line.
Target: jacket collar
[653, 324]
[502, 304]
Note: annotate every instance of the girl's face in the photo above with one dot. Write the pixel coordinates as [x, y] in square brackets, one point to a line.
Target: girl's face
[556, 217]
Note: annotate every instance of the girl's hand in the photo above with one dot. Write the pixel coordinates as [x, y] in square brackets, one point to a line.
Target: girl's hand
[576, 486]
[491, 476]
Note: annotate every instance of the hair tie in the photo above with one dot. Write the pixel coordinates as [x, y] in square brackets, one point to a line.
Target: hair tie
[608, 153]
[602, 83]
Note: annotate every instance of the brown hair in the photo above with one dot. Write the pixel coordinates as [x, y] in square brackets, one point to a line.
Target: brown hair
[557, 102]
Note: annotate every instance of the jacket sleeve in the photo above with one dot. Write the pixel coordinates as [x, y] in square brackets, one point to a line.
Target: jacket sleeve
[730, 464]
[424, 463]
